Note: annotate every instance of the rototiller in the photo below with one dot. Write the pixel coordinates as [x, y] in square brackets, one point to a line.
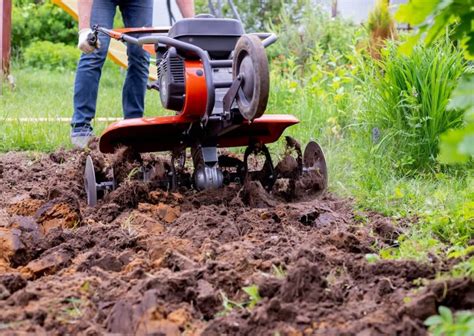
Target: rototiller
[217, 80]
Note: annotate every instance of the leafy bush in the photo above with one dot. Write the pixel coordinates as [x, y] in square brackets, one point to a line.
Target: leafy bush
[51, 56]
[408, 105]
[40, 21]
[314, 32]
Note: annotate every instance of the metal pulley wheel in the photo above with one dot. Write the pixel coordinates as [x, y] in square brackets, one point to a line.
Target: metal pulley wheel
[251, 63]
[314, 161]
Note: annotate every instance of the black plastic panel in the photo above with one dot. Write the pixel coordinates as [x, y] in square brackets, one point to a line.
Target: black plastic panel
[217, 36]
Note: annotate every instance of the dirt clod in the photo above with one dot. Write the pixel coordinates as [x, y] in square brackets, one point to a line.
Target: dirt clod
[47, 264]
[12, 282]
[58, 214]
[254, 195]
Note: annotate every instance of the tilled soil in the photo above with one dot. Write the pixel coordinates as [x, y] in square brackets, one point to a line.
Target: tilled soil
[147, 261]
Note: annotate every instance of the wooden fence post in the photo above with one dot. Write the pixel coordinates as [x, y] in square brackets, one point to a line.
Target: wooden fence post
[5, 37]
[334, 8]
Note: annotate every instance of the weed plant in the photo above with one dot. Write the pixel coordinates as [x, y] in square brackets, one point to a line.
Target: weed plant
[447, 323]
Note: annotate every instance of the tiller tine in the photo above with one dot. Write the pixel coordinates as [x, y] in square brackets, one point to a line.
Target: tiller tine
[93, 189]
[315, 162]
[258, 155]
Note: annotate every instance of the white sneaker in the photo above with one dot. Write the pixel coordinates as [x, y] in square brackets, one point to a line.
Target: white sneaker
[81, 136]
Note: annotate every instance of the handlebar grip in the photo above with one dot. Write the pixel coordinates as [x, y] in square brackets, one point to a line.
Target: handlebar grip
[92, 39]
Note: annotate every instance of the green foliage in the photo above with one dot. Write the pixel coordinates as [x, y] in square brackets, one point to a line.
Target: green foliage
[416, 245]
[256, 14]
[228, 305]
[279, 271]
[302, 26]
[253, 299]
[314, 35]
[463, 99]
[41, 93]
[448, 324]
[464, 268]
[313, 73]
[48, 55]
[451, 225]
[455, 226]
[74, 309]
[465, 260]
[409, 103]
[457, 145]
[444, 223]
[380, 17]
[41, 21]
[254, 296]
[372, 258]
[431, 17]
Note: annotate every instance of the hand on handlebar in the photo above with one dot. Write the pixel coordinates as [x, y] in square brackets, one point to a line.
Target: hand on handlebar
[88, 41]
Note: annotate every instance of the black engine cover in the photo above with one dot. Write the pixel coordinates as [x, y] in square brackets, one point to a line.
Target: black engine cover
[171, 80]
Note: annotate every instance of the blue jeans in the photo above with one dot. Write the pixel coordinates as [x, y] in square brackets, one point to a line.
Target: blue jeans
[135, 13]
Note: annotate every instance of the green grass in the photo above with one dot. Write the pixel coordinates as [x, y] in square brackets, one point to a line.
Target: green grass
[49, 94]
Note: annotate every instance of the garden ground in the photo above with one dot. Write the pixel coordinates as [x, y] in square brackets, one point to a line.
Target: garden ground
[387, 246]
[237, 261]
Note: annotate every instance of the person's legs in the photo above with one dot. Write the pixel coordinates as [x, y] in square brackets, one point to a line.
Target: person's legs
[89, 69]
[136, 13]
